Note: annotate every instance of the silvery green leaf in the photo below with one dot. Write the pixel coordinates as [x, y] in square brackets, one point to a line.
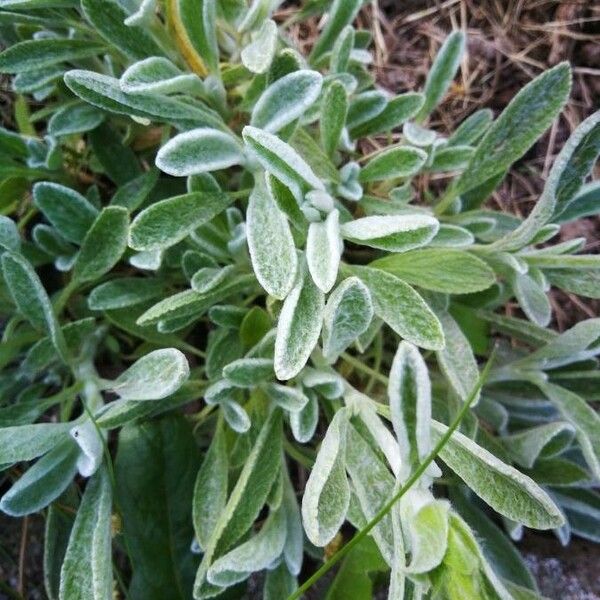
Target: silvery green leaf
[543, 441]
[293, 549]
[347, 315]
[192, 304]
[402, 308]
[310, 151]
[220, 391]
[304, 422]
[143, 15]
[583, 283]
[286, 100]
[340, 52]
[299, 326]
[149, 260]
[365, 106]
[105, 92]
[208, 278]
[585, 203]
[10, 238]
[91, 448]
[327, 383]
[472, 128]
[582, 416]
[350, 189]
[236, 416]
[26, 442]
[199, 22]
[152, 377]
[569, 171]
[168, 221]
[323, 251]
[74, 118]
[578, 343]
[210, 490]
[341, 13]
[334, 108]
[279, 583]
[456, 359]
[158, 75]
[409, 393]
[426, 522]
[288, 398]
[227, 315]
[43, 482]
[258, 55]
[108, 19]
[282, 161]
[505, 489]
[393, 163]
[450, 158]
[267, 229]
[87, 568]
[33, 55]
[373, 484]
[417, 135]
[31, 299]
[442, 72]
[198, 151]
[256, 554]
[248, 372]
[327, 493]
[67, 210]
[394, 233]
[452, 236]
[526, 117]
[34, 81]
[532, 299]
[246, 498]
[397, 111]
[125, 291]
[104, 244]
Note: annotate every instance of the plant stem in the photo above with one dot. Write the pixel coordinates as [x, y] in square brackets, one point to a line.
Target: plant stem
[329, 564]
[357, 364]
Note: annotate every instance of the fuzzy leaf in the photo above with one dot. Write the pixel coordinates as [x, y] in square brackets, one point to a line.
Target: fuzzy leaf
[393, 163]
[199, 20]
[26, 442]
[248, 372]
[267, 229]
[152, 377]
[582, 416]
[341, 13]
[507, 491]
[397, 111]
[258, 55]
[323, 251]
[532, 299]
[442, 72]
[304, 422]
[347, 315]
[43, 482]
[282, 161]
[158, 75]
[87, 568]
[456, 359]
[199, 151]
[334, 108]
[256, 554]
[327, 493]
[108, 19]
[288, 398]
[210, 490]
[286, 100]
[409, 392]
[402, 308]
[341, 50]
[74, 118]
[395, 233]
[67, 210]
[38, 54]
[441, 270]
[472, 128]
[526, 117]
[167, 222]
[125, 291]
[298, 327]
[31, 299]
[10, 238]
[103, 245]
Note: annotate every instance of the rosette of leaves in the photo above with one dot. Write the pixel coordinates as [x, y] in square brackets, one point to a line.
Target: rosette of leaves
[230, 339]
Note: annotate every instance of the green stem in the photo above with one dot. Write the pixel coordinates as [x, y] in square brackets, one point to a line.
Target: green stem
[357, 364]
[446, 200]
[329, 564]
